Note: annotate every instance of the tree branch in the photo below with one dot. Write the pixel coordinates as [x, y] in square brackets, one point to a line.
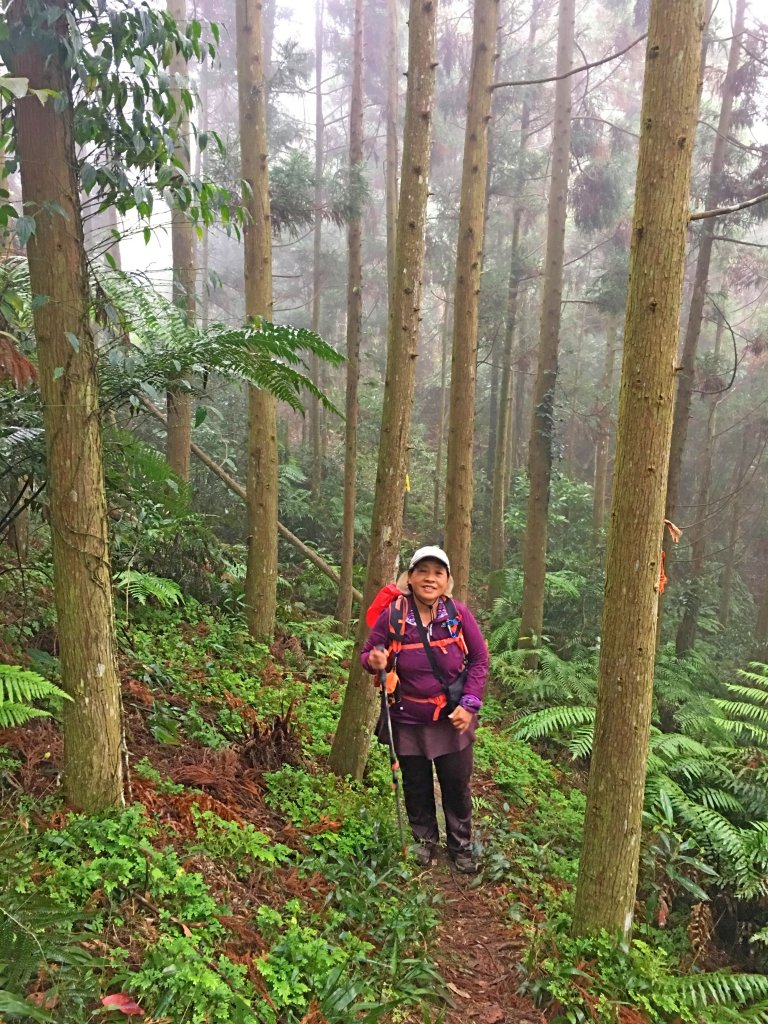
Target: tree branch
[573, 71]
[722, 211]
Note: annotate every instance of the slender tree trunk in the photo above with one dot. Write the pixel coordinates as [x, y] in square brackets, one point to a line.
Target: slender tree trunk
[499, 491]
[605, 894]
[261, 485]
[469, 261]
[92, 721]
[205, 255]
[542, 423]
[393, 51]
[517, 453]
[350, 745]
[571, 462]
[354, 325]
[760, 651]
[600, 488]
[686, 631]
[179, 398]
[506, 435]
[737, 487]
[437, 501]
[317, 276]
[686, 374]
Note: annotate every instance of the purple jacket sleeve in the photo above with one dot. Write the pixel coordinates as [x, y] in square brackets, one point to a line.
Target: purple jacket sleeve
[477, 659]
[379, 636]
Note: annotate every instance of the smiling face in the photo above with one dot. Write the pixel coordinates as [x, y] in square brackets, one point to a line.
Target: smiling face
[428, 580]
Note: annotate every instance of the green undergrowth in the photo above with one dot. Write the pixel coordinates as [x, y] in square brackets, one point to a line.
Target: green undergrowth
[307, 912]
[195, 919]
[531, 844]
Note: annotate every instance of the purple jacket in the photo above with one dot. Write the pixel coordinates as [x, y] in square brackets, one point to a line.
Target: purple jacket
[415, 672]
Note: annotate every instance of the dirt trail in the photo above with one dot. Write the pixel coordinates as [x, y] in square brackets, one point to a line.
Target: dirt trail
[478, 952]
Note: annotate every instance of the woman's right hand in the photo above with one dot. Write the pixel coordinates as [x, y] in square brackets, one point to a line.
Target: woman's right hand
[377, 659]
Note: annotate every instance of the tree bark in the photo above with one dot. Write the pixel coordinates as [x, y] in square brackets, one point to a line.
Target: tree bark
[92, 721]
[605, 401]
[760, 651]
[506, 432]
[179, 399]
[688, 626]
[542, 423]
[315, 475]
[350, 745]
[393, 51]
[608, 867]
[354, 326]
[737, 487]
[459, 486]
[687, 371]
[261, 574]
[437, 501]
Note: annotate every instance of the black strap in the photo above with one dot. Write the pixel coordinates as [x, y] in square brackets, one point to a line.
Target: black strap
[428, 648]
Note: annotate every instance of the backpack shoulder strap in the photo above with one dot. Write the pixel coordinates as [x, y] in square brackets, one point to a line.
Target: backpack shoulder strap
[398, 612]
[454, 623]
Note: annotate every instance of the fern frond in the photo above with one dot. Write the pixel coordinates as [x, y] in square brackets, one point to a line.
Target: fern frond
[140, 585]
[551, 721]
[19, 687]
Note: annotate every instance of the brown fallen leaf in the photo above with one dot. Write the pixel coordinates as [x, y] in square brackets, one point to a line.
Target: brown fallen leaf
[493, 1015]
[458, 991]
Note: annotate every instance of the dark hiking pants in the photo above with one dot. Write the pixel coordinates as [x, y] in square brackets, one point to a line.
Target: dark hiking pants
[453, 774]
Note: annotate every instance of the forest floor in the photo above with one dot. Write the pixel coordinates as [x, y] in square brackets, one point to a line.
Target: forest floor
[199, 749]
[478, 952]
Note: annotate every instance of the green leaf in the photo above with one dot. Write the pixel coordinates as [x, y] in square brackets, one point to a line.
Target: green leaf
[17, 87]
[73, 340]
[25, 228]
[58, 373]
[200, 415]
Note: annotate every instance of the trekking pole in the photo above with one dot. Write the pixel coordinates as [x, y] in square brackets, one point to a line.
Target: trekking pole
[394, 763]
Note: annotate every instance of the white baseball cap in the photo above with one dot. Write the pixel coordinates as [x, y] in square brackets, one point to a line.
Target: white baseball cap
[430, 551]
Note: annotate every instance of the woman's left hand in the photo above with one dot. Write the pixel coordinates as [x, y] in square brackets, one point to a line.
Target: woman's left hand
[461, 719]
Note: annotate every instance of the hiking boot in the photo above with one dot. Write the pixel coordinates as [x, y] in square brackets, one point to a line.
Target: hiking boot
[465, 863]
[423, 855]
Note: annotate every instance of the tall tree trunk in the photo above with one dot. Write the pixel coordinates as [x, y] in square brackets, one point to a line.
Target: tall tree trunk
[737, 489]
[393, 51]
[542, 421]
[350, 745]
[469, 261]
[686, 375]
[179, 399]
[354, 324]
[686, 630]
[600, 488]
[317, 250]
[92, 721]
[437, 501]
[605, 894]
[499, 491]
[261, 484]
[506, 436]
[205, 254]
[760, 650]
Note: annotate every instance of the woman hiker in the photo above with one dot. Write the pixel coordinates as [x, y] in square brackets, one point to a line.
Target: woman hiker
[432, 642]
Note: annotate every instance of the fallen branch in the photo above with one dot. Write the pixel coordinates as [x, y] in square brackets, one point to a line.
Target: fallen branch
[237, 488]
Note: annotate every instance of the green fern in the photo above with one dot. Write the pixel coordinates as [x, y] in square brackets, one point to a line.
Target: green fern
[549, 721]
[167, 350]
[717, 988]
[19, 687]
[139, 586]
